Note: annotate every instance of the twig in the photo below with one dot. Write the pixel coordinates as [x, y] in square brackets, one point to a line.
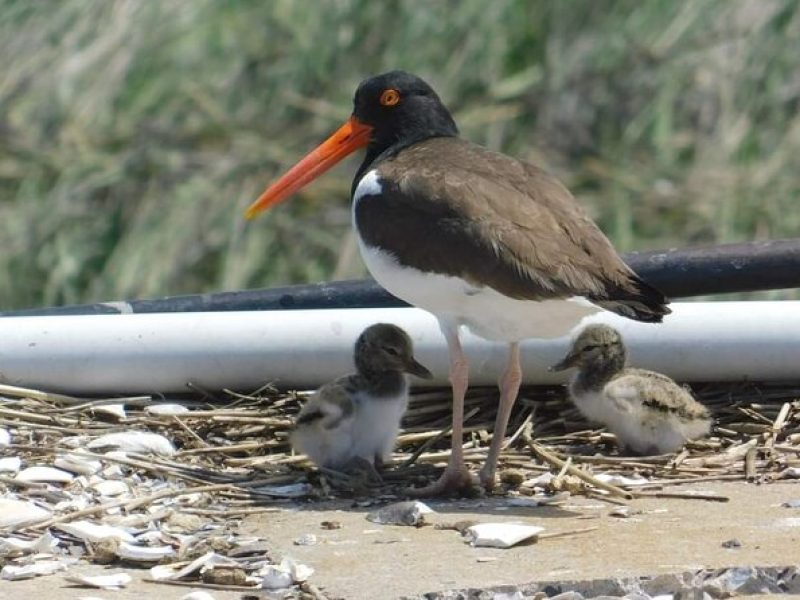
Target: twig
[202, 584]
[442, 434]
[127, 505]
[750, 464]
[20, 392]
[567, 533]
[710, 496]
[194, 436]
[580, 474]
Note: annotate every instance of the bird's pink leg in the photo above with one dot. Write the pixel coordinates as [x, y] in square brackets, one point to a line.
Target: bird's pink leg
[456, 476]
[509, 387]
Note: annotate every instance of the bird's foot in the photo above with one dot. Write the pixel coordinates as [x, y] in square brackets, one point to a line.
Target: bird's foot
[486, 477]
[454, 481]
[357, 474]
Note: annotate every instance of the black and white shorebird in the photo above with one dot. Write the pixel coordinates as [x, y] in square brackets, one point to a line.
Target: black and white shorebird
[648, 412]
[355, 419]
[477, 238]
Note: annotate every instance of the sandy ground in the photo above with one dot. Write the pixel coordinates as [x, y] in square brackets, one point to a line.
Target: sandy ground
[362, 560]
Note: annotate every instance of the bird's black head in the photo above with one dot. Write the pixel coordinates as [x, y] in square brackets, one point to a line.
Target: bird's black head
[390, 112]
[402, 109]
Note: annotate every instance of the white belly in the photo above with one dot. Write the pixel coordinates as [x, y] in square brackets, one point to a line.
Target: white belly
[485, 311]
[376, 425]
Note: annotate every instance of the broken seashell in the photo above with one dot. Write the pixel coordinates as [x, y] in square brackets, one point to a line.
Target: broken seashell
[10, 464]
[75, 463]
[501, 535]
[624, 511]
[208, 560]
[292, 490]
[410, 513]
[621, 480]
[5, 437]
[105, 582]
[111, 487]
[12, 546]
[289, 572]
[790, 473]
[274, 577]
[43, 474]
[197, 596]
[134, 441]
[16, 513]
[115, 410]
[144, 553]
[299, 571]
[539, 500]
[307, 539]
[36, 569]
[91, 532]
[166, 409]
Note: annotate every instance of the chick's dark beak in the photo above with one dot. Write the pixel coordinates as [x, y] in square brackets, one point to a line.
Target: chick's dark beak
[569, 361]
[418, 370]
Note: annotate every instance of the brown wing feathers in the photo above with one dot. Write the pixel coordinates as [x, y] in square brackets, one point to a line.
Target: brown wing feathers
[495, 221]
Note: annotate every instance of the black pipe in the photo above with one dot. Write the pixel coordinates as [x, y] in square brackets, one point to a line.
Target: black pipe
[678, 273]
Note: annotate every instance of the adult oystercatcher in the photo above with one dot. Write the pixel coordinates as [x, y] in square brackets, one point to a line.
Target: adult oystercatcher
[354, 420]
[647, 411]
[477, 238]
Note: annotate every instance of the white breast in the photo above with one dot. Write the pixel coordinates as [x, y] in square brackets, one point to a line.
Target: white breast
[485, 311]
[376, 425]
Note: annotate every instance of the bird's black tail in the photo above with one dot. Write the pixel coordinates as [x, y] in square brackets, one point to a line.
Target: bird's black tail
[636, 300]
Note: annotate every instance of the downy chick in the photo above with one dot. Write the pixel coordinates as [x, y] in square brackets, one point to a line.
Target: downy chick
[647, 411]
[357, 417]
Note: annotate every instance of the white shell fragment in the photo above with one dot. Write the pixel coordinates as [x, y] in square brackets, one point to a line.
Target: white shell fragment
[621, 480]
[200, 595]
[307, 539]
[410, 513]
[144, 553]
[539, 500]
[166, 409]
[5, 437]
[111, 487]
[207, 561]
[501, 535]
[75, 463]
[12, 546]
[273, 577]
[115, 410]
[91, 532]
[105, 582]
[289, 572]
[134, 441]
[16, 513]
[791, 473]
[292, 490]
[36, 569]
[44, 475]
[10, 464]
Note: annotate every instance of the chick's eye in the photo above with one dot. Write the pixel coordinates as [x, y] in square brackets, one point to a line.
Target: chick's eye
[390, 97]
[392, 351]
[589, 347]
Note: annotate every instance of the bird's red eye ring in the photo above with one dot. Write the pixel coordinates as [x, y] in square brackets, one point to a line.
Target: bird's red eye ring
[390, 97]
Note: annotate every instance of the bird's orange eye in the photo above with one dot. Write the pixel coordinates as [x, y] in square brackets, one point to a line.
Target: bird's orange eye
[390, 97]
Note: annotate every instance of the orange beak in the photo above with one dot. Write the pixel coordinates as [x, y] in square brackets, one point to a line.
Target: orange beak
[347, 139]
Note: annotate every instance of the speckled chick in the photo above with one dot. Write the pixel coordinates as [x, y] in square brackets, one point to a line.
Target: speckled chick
[357, 416]
[647, 411]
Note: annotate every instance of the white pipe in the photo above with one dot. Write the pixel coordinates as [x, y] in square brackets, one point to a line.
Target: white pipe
[146, 353]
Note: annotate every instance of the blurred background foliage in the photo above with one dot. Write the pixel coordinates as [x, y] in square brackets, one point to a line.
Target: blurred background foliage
[134, 133]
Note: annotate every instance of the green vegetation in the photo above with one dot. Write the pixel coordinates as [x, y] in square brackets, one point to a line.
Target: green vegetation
[134, 133]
